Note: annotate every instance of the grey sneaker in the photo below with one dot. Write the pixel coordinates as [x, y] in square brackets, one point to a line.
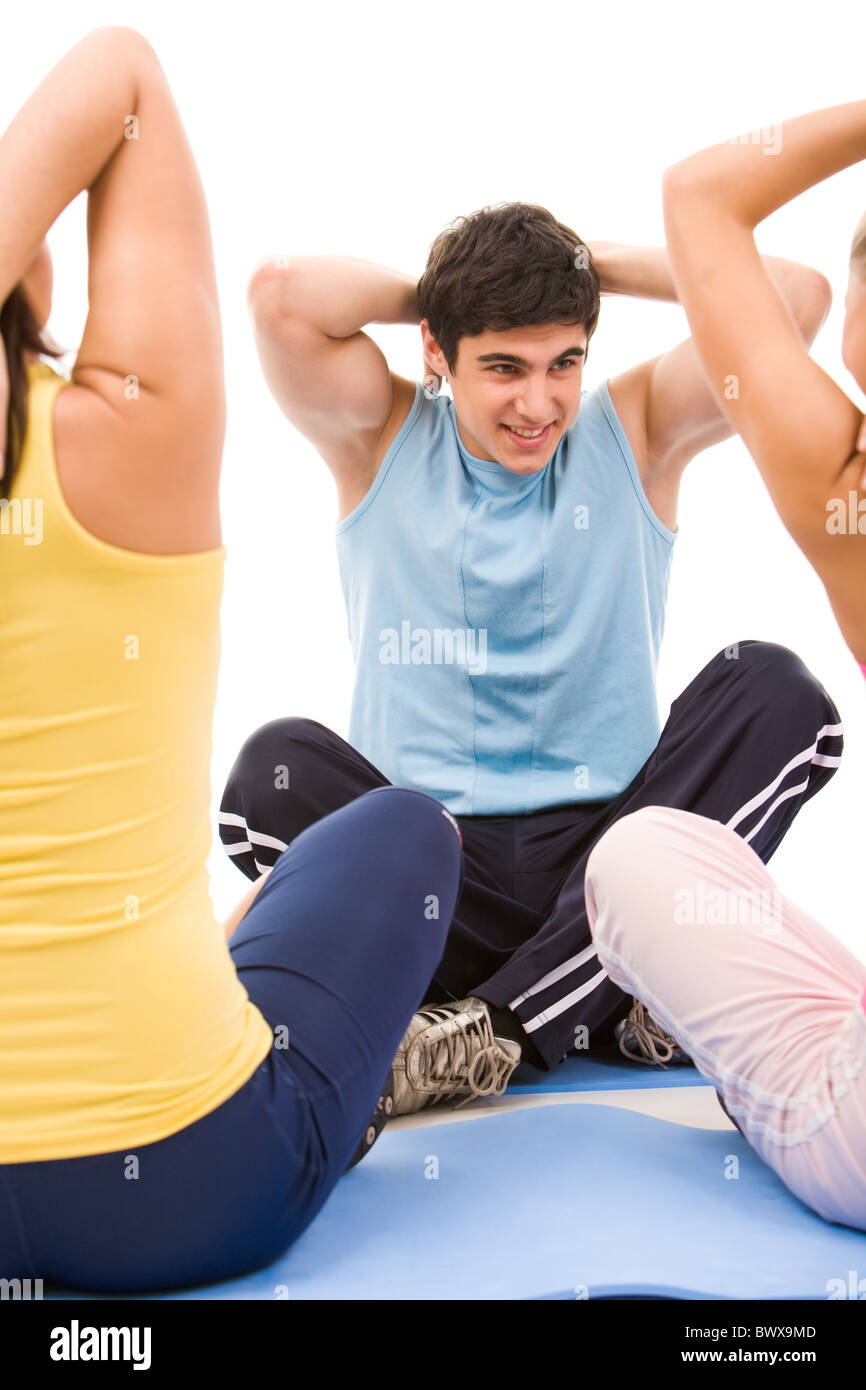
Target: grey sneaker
[449, 1050]
[641, 1039]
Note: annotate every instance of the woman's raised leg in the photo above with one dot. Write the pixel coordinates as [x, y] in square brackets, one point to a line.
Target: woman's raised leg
[341, 943]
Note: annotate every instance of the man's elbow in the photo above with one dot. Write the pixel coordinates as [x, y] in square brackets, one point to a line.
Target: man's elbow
[269, 289]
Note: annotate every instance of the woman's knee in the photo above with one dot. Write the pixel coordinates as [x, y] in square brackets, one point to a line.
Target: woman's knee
[623, 856]
[412, 817]
[648, 867]
[415, 831]
[629, 838]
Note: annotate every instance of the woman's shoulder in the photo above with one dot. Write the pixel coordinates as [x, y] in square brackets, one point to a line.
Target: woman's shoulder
[118, 457]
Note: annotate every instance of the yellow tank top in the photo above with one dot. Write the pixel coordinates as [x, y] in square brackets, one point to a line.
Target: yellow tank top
[122, 1019]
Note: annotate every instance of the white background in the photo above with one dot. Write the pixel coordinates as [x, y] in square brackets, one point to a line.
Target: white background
[362, 130]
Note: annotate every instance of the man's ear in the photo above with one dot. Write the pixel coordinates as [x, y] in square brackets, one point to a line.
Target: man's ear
[433, 360]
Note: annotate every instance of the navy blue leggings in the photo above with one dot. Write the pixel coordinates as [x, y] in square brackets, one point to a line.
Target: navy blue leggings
[337, 951]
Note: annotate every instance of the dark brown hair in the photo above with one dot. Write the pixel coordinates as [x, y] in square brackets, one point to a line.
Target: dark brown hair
[505, 267]
[21, 334]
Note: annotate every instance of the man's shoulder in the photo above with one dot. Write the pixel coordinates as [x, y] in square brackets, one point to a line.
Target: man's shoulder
[606, 425]
[617, 406]
[594, 402]
[404, 394]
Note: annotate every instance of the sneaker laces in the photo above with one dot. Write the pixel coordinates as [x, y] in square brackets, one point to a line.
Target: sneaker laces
[445, 1059]
[648, 1035]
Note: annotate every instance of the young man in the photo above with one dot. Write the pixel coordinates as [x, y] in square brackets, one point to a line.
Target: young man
[505, 558]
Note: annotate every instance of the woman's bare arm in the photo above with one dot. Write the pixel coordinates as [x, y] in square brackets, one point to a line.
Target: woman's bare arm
[150, 361]
[799, 426]
[61, 140]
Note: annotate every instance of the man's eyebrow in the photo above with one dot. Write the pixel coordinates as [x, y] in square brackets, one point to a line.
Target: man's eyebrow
[522, 362]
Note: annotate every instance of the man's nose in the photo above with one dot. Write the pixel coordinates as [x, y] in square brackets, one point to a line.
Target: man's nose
[532, 402]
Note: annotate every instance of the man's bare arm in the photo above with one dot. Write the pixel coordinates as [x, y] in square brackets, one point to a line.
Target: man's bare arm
[645, 273]
[329, 377]
[665, 404]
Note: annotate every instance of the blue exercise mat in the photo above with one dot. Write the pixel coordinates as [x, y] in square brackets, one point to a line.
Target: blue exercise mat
[557, 1202]
[602, 1069]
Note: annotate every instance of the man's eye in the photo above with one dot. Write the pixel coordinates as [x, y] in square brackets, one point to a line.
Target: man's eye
[509, 366]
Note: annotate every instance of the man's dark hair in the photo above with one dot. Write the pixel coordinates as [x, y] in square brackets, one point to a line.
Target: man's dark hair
[505, 267]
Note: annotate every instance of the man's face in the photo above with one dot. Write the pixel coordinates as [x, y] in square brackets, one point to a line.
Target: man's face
[521, 379]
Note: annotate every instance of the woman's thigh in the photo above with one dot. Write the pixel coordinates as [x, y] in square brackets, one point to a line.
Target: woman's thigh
[341, 943]
[765, 1001]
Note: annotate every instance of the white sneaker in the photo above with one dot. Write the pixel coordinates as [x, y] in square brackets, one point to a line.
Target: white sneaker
[449, 1050]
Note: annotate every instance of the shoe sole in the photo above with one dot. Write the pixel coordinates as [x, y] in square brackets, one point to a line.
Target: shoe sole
[380, 1117]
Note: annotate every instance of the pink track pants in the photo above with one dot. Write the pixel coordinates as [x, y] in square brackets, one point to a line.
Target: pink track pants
[770, 1007]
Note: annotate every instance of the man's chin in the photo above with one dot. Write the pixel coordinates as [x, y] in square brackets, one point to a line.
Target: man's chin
[525, 466]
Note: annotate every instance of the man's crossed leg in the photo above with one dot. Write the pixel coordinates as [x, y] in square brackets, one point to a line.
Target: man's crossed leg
[752, 738]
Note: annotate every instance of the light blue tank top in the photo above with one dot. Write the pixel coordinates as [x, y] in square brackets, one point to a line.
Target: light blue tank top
[506, 629]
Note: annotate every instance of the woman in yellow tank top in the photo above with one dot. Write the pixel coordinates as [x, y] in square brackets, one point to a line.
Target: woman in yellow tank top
[146, 1066]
